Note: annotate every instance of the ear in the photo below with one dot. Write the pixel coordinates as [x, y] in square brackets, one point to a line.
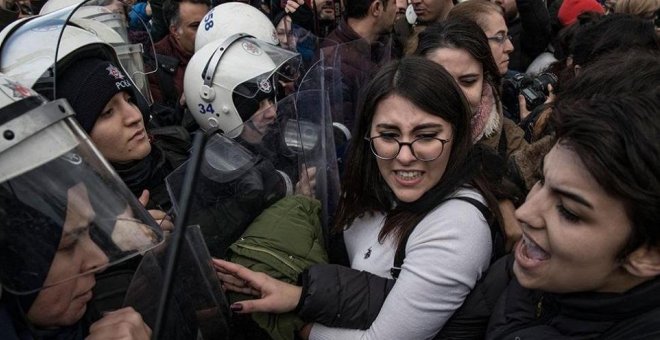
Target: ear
[376, 8]
[643, 262]
[576, 69]
[569, 61]
[174, 31]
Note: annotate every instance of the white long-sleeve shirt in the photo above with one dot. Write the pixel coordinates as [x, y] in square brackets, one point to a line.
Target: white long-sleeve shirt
[445, 256]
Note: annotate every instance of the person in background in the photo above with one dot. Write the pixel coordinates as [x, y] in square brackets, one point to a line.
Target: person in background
[426, 13]
[490, 18]
[358, 46]
[529, 27]
[461, 47]
[645, 9]
[175, 50]
[571, 9]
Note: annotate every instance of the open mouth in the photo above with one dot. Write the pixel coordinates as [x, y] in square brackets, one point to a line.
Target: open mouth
[531, 251]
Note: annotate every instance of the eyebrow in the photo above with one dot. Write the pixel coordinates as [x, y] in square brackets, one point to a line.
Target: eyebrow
[565, 193]
[76, 231]
[416, 128]
[475, 74]
[573, 196]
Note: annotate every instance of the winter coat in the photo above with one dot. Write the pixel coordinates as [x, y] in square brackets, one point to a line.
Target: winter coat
[281, 242]
[342, 297]
[526, 314]
[168, 47]
[339, 296]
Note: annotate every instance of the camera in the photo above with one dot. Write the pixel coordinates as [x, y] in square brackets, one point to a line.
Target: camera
[533, 88]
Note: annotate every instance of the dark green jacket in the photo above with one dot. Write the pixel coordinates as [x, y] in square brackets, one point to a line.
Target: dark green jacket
[281, 242]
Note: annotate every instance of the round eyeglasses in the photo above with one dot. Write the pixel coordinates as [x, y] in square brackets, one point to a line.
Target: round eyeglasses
[425, 149]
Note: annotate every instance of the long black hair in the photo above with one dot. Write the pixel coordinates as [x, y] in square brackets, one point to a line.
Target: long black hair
[431, 88]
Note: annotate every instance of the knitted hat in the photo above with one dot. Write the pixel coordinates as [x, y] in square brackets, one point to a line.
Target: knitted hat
[88, 85]
[571, 9]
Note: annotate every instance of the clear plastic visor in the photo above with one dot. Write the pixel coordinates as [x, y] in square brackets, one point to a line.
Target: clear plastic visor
[68, 217]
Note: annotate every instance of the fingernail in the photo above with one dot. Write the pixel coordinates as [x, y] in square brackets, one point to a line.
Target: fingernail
[237, 307]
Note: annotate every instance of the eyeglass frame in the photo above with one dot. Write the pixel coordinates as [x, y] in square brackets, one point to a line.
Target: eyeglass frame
[501, 40]
[409, 144]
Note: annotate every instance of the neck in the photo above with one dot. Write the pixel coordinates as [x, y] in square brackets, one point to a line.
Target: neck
[364, 27]
[622, 281]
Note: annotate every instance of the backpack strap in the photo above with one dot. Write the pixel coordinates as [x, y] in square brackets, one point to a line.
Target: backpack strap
[401, 249]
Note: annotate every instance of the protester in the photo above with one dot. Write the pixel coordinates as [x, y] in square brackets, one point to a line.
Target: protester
[390, 200]
[599, 188]
[461, 47]
[175, 50]
[357, 47]
[529, 27]
[491, 20]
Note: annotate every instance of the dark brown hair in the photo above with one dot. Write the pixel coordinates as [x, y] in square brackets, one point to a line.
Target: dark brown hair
[431, 88]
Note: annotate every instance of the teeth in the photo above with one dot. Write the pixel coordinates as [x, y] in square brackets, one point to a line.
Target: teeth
[409, 174]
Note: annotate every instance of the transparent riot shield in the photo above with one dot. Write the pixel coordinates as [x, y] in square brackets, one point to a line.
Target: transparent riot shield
[348, 67]
[312, 136]
[198, 308]
[61, 202]
[36, 49]
[241, 176]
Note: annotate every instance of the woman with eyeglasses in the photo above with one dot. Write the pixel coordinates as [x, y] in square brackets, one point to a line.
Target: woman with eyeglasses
[490, 18]
[408, 184]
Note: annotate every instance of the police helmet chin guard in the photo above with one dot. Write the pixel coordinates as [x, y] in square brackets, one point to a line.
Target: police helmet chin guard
[63, 197]
[228, 82]
[231, 18]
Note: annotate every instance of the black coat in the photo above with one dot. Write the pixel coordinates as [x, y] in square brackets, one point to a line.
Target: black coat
[339, 296]
[525, 314]
[531, 33]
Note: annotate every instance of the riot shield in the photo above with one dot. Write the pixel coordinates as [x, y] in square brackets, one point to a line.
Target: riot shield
[348, 67]
[198, 308]
[312, 135]
[59, 194]
[241, 176]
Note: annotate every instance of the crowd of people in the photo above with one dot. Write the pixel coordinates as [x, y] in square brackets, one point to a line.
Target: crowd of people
[369, 169]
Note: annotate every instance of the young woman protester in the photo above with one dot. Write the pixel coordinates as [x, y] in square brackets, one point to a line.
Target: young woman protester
[588, 265]
[411, 178]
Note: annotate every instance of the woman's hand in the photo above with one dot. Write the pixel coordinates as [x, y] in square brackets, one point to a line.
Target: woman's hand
[123, 323]
[274, 296]
[307, 182]
[162, 218]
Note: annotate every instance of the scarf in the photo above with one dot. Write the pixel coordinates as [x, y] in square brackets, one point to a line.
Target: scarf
[486, 120]
[146, 173]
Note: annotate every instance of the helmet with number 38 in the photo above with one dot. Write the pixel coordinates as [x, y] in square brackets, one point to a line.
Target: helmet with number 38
[232, 18]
